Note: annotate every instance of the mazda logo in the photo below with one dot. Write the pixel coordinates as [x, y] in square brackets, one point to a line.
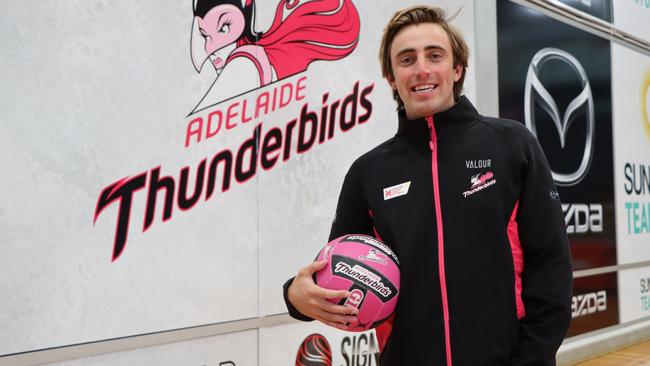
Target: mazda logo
[536, 94]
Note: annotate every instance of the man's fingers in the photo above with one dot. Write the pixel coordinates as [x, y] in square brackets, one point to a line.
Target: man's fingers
[339, 321]
[320, 303]
[317, 266]
[313, 267]
[333, 294]
[338, 318]
[339, 313]
[338, 309]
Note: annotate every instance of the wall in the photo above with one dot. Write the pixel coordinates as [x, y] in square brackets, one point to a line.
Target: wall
[125, 245]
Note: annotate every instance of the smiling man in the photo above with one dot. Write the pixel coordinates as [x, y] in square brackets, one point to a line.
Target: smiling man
[421, 68]
[485, 267]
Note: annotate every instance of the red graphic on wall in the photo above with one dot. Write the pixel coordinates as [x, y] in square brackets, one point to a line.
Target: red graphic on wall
[314, 351]
[303, 31]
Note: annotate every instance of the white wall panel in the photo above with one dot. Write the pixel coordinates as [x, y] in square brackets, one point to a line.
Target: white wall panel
[235, 349]
[634, 292]
[631, 110]
[632, 16]
[98, 91]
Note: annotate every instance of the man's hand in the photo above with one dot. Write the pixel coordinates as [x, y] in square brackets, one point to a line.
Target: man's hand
[312, 300]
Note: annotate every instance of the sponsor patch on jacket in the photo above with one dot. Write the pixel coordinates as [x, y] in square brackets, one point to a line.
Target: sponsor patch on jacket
[396, 191]
[479, 182]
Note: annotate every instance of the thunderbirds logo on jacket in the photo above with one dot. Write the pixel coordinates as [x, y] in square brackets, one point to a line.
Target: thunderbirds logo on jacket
[479, 182]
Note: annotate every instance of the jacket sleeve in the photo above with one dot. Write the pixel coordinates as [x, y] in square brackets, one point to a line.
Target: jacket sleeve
[352, 211]
[547, 278]
[352, 217]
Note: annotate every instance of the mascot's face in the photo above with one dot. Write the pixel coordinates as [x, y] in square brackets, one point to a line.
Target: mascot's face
[221, 26]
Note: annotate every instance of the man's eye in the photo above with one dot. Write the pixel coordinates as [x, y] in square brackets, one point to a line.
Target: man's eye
[405, 60]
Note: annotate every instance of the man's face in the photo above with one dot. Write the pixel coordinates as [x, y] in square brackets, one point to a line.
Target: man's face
[423, 69]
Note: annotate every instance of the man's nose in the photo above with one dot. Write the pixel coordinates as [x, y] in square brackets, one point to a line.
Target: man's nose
[422, 68]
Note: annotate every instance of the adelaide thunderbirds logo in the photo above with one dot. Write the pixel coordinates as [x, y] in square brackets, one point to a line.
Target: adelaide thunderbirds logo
[245, 60]
[224, 35]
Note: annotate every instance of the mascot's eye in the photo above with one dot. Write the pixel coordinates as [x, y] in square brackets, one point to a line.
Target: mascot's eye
[225, 28]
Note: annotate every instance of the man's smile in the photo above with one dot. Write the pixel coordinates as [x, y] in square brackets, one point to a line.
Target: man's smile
[423, 88]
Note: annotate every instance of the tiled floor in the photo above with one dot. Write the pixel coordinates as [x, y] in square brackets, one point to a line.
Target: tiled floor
[638, 355]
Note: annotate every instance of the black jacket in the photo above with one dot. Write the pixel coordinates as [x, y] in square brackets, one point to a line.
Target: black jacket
[480, 195]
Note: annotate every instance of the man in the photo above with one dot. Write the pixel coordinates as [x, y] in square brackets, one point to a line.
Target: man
[485, 267]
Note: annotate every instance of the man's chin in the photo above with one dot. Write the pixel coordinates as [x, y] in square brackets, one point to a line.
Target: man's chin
[423, 111]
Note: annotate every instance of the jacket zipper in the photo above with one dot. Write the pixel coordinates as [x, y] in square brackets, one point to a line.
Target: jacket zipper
[433, 145]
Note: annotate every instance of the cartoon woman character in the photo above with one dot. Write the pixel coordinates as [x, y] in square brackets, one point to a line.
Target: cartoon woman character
[302, 31]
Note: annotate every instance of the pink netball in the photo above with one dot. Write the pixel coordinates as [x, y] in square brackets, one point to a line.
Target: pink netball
[368, 269]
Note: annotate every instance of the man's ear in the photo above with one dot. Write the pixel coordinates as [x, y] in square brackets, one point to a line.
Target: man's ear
[458, 72]
[391, 81]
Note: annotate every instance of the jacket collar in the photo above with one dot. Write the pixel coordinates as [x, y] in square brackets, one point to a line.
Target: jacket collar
[454, 120]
